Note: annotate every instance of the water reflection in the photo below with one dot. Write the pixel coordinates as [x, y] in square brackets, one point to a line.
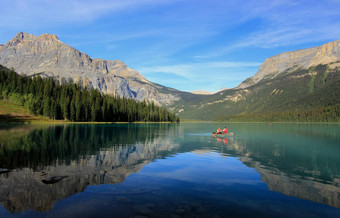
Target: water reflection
[296, 160]
[69, 158]
[47, 164]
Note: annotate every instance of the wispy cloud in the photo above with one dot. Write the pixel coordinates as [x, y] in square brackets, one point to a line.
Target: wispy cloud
[295, 22]
[290, 36]
[196, 70]
[211, 76]
[43, 12]
[284, 23]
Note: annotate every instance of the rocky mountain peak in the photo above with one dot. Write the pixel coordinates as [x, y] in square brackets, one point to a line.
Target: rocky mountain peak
[19, 38]
[28, 54]
[48, 37]
[290, 61]
[27, 36]
[22, 35]
[24, 40]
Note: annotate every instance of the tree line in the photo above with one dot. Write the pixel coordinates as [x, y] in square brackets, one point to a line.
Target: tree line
[66, 143]
[45, 96]
[321, 114]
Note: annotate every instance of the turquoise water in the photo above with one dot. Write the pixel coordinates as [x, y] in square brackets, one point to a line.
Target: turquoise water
[170, 170]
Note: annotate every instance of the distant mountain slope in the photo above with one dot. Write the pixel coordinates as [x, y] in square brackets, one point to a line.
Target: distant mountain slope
[202, 92]
[290, 61]
[302, 80]
[46, 54]
[300, 90]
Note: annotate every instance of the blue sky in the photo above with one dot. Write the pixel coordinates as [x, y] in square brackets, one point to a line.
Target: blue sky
[184, 44]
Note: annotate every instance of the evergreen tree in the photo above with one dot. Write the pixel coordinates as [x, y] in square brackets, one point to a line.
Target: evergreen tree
[46, 108]
[78, 106]
[73, 110]
[93, 113]
[70, 102]
[66, 109]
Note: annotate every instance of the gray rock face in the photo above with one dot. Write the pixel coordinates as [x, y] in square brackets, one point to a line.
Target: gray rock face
[289, 61]
[28, 54]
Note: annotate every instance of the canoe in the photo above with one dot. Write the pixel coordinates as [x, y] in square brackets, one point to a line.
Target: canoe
[222, 135]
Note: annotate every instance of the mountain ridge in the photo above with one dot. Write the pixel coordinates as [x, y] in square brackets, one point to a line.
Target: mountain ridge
[29, 54]
[272, 88]
[300, 90]
[292, 60]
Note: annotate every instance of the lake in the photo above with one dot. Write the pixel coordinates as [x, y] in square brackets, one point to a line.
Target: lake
[170, 170]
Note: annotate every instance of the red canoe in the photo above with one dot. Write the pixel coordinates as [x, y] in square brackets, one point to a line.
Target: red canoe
[214, 134]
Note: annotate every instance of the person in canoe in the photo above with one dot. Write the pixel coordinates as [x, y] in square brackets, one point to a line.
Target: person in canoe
[223, 133]
[218, 131]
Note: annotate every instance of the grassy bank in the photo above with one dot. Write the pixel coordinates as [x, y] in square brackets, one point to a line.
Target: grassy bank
[12, 113]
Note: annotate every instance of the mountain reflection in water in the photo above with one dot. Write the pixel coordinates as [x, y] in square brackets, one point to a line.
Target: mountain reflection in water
[301, 160]
[99, 154]
[72, 157]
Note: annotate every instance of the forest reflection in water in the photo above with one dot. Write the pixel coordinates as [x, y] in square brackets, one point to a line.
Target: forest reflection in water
[44, 146]
[51, 163]
[73, 157]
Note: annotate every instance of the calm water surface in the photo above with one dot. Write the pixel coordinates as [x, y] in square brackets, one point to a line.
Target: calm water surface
[170, 170]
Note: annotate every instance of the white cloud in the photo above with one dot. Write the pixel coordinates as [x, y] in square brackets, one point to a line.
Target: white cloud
[210, 76]
[183, 70]
[196, 70]
[284, 23]
[44, 12]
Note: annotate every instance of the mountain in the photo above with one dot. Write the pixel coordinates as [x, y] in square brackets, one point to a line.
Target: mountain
[202, 92]
[290, 61]
[307, 79]
[48, 56]
[304, 80]
[300, 90]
